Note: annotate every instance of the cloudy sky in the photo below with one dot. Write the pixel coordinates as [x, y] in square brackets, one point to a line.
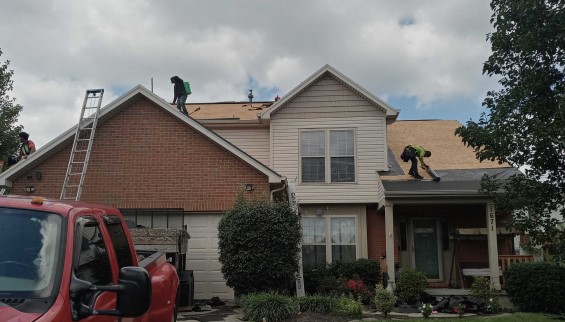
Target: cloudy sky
[423, 57]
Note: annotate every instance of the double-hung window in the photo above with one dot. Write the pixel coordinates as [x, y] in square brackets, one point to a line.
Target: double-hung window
[327, 155]
[328, 239]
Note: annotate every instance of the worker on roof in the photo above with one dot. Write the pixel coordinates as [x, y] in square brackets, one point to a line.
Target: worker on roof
[180, 94]
[27, 147]
[410, 153]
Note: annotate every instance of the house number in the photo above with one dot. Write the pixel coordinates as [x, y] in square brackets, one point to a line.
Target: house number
[491, 215]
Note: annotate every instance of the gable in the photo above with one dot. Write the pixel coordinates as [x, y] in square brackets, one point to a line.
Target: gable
[324, 73]
[134, 95]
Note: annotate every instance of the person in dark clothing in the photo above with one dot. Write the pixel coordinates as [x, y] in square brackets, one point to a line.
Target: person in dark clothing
[27, 147]
[180, 94]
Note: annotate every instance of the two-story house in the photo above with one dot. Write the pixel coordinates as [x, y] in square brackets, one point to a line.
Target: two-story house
[338, 143]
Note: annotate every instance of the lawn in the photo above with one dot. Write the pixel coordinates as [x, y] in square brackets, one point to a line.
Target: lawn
[526, 317]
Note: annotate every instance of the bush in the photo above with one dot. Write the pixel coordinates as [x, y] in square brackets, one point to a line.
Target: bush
[367, 270]
[258, 245]
[410, 285]
[485, 293]
[322, 304]
[320, 280]
[333, 279]
[384, 300]
[349, 307]
[270, 306]
[537, 286]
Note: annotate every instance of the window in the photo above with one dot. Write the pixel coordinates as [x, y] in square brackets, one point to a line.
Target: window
[94, 265]
[314, 241]
[119, 241]
[327, 156]
[317, 248]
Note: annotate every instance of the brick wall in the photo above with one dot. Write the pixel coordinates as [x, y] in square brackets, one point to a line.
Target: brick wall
[376, 234]
[143, 157]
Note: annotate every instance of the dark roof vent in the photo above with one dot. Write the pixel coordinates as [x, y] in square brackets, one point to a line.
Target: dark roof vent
[250, 96]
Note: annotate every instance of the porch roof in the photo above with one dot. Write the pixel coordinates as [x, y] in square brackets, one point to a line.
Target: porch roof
[465, 182]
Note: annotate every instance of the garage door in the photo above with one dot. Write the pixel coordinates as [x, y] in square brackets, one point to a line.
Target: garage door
[202, 257]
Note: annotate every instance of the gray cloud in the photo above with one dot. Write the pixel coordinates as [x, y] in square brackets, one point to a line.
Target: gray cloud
[431, 50]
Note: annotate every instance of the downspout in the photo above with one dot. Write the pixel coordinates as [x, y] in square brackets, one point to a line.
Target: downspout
[278, 189]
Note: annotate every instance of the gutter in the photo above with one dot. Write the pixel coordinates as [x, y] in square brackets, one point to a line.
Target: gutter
[284, 182]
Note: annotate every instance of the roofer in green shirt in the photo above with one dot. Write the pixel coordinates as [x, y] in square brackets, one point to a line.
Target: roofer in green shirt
[421, 153]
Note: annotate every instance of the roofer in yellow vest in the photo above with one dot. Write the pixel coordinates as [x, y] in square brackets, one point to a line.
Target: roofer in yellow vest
[413, 151]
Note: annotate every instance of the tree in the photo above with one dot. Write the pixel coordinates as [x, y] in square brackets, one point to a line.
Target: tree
[525, 124]
[9, 113]
[259, 246]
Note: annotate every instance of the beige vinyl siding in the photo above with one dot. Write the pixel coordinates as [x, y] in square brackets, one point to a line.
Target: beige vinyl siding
[327, 104]
[253, 141]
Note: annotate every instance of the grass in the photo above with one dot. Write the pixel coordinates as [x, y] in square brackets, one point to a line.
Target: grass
[516, 317]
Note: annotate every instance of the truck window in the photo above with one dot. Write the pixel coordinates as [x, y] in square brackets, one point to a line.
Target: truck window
[119, 241]
[94, 264]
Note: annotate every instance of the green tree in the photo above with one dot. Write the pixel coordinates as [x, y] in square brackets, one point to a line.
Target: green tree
[525, 124]
[9, 113]
[259, 246]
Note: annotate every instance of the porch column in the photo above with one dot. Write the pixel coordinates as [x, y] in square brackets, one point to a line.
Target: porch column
[492, 246]
[389, 231]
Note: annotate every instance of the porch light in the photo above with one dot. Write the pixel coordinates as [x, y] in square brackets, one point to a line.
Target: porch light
[249, 187]
[29, 189]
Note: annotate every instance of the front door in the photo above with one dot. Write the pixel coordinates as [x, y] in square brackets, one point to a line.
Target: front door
[426, 247]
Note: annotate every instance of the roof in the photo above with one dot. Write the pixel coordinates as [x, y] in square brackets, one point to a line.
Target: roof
[112, 109]
[322, 72]
[460, 171]
[227, 111]
[436, 136]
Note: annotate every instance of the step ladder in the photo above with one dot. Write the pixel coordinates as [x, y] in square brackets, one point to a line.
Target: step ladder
[2, 191]
[82, 145]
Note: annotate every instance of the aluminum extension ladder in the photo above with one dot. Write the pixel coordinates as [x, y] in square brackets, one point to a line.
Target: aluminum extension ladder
[82, 145]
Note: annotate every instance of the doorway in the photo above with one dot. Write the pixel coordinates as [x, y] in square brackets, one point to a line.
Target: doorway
[426, 248]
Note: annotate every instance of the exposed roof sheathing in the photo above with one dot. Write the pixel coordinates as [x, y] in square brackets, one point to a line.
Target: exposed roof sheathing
[244, 111]
[438, 137]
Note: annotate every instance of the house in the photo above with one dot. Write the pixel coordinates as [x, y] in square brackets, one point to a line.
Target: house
[337, 142]
[340, 145]
[161, 169]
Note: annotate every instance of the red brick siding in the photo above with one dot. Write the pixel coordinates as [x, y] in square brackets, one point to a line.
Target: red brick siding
[376, 234]
[145, 158]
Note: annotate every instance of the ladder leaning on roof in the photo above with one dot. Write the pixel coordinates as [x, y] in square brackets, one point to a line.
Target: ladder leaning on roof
[82, 145]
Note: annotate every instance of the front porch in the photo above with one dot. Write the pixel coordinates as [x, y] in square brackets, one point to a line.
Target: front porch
[448, 241]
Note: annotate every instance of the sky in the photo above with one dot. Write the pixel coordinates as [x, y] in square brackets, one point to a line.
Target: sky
[422, 57]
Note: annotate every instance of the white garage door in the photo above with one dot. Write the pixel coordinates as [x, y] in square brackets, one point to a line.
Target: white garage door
[202, 257]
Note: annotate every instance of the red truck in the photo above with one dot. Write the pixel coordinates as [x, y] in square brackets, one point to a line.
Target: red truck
[70, 261]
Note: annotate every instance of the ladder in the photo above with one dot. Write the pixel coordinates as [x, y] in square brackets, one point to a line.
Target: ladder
[82, 145]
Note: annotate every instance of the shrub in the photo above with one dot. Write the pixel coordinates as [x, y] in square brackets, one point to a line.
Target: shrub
[320, 280]
[410, 285]
[367, 270]
[349, 307]
[384, 300]
[317, 304]
[334, 278]
[485, 293]
[272, 307]
[258, 245]
[536, 286]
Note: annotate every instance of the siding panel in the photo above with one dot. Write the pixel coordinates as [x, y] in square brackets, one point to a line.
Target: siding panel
[254, 142]
[328, 104]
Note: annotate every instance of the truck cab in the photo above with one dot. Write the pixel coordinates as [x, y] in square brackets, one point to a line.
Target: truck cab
[71, 261]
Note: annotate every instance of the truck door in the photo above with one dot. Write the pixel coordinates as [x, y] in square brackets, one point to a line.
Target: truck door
[93, 265]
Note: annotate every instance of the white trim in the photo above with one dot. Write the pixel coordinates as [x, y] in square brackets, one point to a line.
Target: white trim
[390, 111]
[45, 151]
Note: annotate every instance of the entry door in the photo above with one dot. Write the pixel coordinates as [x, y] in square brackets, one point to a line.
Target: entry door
[426, 247]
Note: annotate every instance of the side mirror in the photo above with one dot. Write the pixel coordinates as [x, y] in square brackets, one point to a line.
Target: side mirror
[135, 298]
[134, 294]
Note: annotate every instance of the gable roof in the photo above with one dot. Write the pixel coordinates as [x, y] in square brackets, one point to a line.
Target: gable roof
[127, 99]
[329, 70]
[227, 111]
